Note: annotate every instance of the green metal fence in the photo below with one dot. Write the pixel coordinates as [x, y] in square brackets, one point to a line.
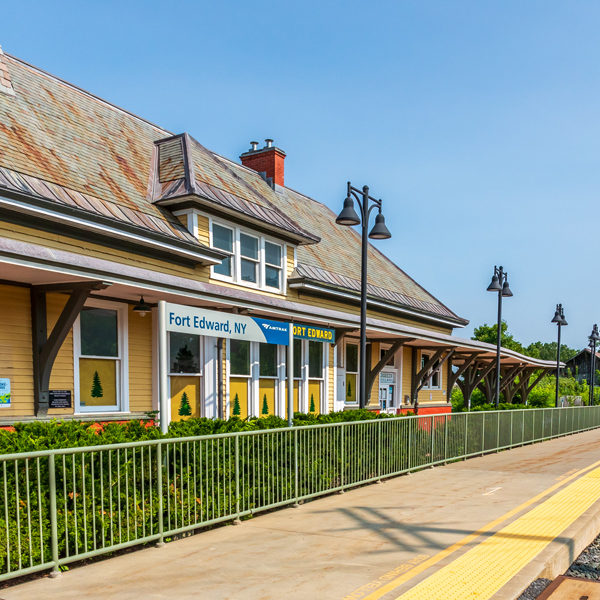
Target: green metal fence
[59, 506]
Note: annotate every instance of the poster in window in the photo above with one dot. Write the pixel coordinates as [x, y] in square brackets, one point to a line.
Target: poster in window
[97, 382]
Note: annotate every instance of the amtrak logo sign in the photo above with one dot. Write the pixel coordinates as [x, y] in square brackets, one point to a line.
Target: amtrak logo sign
[198, 321]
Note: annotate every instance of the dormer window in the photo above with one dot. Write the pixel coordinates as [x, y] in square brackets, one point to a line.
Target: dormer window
[253, 260]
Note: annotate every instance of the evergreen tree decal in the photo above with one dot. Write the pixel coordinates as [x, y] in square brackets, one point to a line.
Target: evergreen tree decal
[312, 403]
[265, 406]
[349, 394]
[185, 410]
[237, 411]
[97, 391]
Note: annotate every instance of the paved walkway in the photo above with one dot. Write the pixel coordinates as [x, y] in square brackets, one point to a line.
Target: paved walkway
[420, 536]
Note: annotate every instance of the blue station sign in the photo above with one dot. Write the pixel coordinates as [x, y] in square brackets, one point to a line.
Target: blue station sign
[314, 333]
[199, 321]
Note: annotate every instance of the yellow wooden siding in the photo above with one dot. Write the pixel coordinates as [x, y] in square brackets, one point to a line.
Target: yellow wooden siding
[183, 219]
[55, 241]
[62, 377]
[16, 362]
[290, 260]
[203, 230]
[140, 362]
[406, 373]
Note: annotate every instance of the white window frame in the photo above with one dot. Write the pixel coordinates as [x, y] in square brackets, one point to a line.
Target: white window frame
[237, 257]
[258, 261]
[122, 360]
[357, 372]
[439, 370]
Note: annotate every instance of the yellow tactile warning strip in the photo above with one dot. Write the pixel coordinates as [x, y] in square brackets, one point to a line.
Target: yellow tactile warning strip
[483, 570]
[392, 585]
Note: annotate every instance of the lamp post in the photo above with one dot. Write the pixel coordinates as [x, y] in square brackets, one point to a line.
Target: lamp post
[559, 319]
[348, 217]
[594, 337]
[499, 284]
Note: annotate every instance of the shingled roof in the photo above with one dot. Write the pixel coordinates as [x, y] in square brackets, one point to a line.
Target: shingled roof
[68, 147]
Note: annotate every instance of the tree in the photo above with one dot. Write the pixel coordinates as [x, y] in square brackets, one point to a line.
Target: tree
[265, 406]
[547, 351]
[485, 333]
[97, 391]
[349, 393]
[237, 411]
[312, 403]
[185, 410]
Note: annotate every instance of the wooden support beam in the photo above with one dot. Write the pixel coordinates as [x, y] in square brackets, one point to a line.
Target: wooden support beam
[468, 362]
[433, 371]
[341, 333]
[398, 343]
[45, 348]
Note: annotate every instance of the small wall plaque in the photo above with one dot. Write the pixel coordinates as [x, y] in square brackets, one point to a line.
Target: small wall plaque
[60, 399]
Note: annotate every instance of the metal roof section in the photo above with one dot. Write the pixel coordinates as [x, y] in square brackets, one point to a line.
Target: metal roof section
[305, 276]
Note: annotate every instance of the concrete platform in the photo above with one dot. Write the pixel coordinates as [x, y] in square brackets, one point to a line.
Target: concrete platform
[373, 542]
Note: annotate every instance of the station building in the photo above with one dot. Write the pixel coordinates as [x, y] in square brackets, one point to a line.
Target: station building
[105, 216]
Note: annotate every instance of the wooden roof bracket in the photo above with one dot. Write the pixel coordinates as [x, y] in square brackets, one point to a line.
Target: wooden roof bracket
[45, 348]
[397, 344]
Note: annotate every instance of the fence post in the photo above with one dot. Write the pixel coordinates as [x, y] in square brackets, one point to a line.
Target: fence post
[237, 520]
[295, 505]
[533, 426]
[482, 432]
[498, 430]
[409, 436]
[466, 451]
[432, 437]
[552, 423]
[379, 451]
[159, 481]
[53, 517]
[511, 427]
[446, 438]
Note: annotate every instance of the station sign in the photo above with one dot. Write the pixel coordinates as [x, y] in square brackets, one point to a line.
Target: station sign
[199, 321]
[314, 333]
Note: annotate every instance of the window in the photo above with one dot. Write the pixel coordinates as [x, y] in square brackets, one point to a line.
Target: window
[434, 382]
[239, 357]
[268, 360]
[223, 240]
[351, 373]
[315, 360]
[184, 353]
[390, 362]
[272, 265]
[251, 259]
[99, 344]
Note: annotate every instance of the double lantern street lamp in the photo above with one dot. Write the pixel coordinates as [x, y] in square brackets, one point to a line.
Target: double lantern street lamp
[594, 337]
[499, 284]
[559, 319]
[350, 218]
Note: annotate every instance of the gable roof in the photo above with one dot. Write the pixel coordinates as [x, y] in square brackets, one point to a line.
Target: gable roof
[78, 152]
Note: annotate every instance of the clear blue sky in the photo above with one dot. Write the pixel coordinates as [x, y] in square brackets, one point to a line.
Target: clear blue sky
[477, 122]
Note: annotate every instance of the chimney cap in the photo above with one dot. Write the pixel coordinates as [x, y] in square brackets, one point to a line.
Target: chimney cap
[269, 143]
[254, 146]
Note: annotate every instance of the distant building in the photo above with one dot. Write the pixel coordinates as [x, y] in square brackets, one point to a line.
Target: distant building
[580, 364]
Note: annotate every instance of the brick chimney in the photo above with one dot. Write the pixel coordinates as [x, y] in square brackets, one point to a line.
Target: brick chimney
[268, 161]
[5, 82]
